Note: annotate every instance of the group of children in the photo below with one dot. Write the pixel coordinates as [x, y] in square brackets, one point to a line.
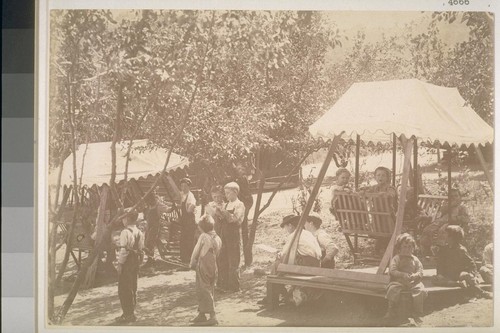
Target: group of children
[454, 267]
[203, 261]
[443, 237]
[216, 256]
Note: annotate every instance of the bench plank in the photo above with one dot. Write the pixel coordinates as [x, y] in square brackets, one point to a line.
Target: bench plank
[333, 273]
[356, 290]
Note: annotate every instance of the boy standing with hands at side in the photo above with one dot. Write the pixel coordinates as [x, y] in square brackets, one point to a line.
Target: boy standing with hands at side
[129, 259]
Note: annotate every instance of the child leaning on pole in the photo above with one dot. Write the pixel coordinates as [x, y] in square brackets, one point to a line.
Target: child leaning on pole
[129, 259]
[406, 273]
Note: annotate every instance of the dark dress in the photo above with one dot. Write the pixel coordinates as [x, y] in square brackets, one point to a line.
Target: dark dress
[188, 228]
[229, 259]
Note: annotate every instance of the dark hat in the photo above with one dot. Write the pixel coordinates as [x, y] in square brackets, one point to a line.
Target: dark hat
[315, 219]
[186, 181]
[290, 219]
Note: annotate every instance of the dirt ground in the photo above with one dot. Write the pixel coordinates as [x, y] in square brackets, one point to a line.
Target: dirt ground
[166, 297]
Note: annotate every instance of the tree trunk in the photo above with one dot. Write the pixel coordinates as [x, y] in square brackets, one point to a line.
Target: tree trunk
[76, 201]
[116, 139]
[99, 247]
[52, 266]
[52, 242]
[247, 253]
[258, 210]
[253, 228]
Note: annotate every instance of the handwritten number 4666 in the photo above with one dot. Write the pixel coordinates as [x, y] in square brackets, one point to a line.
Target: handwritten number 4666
[458, 2]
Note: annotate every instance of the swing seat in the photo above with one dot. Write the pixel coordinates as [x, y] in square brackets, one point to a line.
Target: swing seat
[368, 215]
[430, 205]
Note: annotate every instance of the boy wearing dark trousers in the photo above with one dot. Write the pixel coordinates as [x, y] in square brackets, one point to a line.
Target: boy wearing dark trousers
[129, 259]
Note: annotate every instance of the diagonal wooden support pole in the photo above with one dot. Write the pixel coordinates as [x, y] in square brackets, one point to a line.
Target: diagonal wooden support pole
[484, 166]
[408, 146]
[289, 254]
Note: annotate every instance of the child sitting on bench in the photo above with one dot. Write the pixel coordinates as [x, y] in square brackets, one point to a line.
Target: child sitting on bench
[308, 254]
[328, 248]
[455, 214]
[406, 273]
[341, 185]
[455, 266]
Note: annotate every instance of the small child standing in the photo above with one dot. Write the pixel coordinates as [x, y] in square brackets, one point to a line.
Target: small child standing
[130, 257]
[406, 273]
[204, 261]
[455, 266]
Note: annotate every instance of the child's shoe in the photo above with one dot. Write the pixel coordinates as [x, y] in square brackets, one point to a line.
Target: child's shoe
[418, 318]
[391, 312]
[126, 319]
[199, 318]
[210, 322]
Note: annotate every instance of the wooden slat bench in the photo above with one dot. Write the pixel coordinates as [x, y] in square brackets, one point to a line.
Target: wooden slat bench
[369, 215]
[327, 279]
[430, 205]
[362, 282]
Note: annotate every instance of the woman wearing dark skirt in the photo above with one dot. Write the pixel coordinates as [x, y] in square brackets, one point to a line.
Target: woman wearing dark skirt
[187, 221]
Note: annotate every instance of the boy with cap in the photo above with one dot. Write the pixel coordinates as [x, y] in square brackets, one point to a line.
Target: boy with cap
[308, 250]
[129, 259]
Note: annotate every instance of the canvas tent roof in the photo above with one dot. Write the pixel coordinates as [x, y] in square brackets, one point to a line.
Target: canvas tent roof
[375, 110]
[143, 162]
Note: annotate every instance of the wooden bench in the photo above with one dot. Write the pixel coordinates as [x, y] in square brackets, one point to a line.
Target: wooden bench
[325, 278]
[361, 281]
[430, 205]
[369, 215]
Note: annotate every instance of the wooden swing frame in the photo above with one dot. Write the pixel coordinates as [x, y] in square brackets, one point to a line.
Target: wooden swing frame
[348, 280]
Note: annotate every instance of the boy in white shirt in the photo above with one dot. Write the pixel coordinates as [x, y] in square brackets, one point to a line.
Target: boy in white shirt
[129, 259]
[328, 248]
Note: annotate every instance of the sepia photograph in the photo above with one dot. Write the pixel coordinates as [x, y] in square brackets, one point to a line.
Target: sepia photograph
[266, 167]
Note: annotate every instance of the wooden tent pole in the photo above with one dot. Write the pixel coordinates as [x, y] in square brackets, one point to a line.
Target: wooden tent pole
[101, 213]
[449, 184]
[289, 253]
[485, 167]
[394, 147]
[356, 161]
[415, 173]
[408, 146]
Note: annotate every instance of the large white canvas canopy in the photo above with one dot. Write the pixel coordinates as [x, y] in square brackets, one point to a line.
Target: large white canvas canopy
[375, 110]
[95, 160]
